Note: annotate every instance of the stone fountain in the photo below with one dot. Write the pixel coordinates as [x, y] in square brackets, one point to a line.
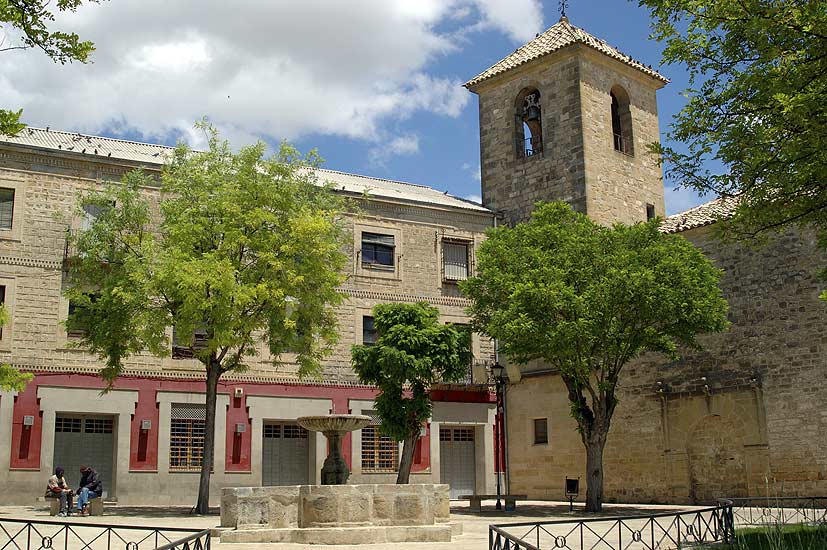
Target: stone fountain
[334, 427]
[334, 512]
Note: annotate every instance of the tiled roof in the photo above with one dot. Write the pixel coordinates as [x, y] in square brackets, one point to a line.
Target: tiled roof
[152, 154]
[557, 37]
[705, 214]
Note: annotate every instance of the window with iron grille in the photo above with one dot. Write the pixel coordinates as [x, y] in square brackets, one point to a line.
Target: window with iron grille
[6, 208]
[183, 349]
[455, 260]
[186, 437]
[377, 250]
[284, 431]
[380, 453]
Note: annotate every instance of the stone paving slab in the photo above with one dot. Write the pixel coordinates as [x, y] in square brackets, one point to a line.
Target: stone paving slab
[474, 524]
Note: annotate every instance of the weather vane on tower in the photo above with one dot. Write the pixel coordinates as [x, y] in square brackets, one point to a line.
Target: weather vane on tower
[564, 4]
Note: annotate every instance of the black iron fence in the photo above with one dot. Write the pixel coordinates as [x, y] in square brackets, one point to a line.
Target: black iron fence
[650, 532]
[761, 511]
[19, 534]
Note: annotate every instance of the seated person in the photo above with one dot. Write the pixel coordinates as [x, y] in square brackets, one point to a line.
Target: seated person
[90, 487]
[57, 487]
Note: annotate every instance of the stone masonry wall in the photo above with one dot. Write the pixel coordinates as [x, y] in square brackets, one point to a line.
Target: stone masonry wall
[512, 183]
[744, 416]
[619, 185]
[32, 253]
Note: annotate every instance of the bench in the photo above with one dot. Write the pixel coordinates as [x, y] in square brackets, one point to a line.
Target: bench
[95, 506]
[510, 501]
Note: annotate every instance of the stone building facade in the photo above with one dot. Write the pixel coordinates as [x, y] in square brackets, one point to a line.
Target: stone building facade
[143, 435]
[745, 416]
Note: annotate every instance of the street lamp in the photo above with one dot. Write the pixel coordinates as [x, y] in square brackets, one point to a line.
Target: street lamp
[497, 372]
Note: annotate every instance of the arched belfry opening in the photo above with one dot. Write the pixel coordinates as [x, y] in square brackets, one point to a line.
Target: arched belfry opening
[528, 122]
[621, 121]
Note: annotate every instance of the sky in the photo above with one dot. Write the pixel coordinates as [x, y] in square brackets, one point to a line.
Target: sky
[374, 85]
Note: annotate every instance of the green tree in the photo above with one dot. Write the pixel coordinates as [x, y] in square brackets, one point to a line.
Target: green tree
[756, 108]
[587, 299]
[244, 249]
[11, 379]
[30, 18]
[412, 353]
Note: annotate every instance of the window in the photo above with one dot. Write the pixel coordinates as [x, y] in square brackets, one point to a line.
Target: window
[3, 303]
[6, 207]
[380, 453]
[650, 212]
[91, 212]
[182, 349]
[77, 322]
[540, 431]
[377, 250]
[621, 121]
[186, 437]
[455, 260]
[369, 335]
[528, 122]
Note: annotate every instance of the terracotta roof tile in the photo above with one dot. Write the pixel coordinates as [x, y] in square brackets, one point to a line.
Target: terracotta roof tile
[705, 214]
[557, 37]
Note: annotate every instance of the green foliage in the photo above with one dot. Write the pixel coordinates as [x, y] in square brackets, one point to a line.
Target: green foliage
[11, 379]
[586, 299]
[413, 352]
[780, 537]
[756, 105]
[248, 248]
[10, 122]
[30, 18]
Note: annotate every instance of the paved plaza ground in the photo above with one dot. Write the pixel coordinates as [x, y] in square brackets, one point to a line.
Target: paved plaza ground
[474, 525]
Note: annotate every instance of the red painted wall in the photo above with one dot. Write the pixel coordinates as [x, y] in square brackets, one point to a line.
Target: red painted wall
[143, 456]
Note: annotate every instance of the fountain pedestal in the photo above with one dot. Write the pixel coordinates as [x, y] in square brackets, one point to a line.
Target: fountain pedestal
[334, 427]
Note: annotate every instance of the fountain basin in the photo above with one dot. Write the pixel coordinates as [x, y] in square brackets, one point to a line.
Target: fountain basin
[334, 422]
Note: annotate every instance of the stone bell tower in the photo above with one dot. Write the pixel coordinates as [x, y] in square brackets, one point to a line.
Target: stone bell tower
[568, 117]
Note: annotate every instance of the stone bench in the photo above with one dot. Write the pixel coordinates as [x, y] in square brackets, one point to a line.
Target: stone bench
[95, 506]
[476, 501]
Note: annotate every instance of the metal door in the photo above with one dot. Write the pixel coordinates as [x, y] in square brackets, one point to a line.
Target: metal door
[457, 460]
[85, 440]
[286, 456]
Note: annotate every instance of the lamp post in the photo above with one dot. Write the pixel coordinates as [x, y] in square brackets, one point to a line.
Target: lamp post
[497, 372]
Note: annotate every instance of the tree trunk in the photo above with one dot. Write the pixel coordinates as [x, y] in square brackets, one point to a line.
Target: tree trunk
[406, 461]
[594, 472]
[203, 504]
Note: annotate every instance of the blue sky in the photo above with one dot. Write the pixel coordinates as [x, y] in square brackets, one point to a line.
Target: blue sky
[374, 85]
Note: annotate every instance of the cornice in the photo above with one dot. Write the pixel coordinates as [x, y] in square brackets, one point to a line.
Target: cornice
[402, 297]
[31, 262]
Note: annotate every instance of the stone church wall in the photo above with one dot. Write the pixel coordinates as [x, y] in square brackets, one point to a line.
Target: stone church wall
[746, 415]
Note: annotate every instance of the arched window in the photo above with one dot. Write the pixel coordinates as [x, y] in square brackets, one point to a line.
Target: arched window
[528, 122]
[621, 121]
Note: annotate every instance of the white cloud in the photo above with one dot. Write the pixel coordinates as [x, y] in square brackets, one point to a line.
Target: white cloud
[402, 145]
[474, 171]
[474, 198]
[256, 69]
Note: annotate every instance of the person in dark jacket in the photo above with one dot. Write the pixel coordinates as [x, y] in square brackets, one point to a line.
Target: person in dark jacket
[90, 487]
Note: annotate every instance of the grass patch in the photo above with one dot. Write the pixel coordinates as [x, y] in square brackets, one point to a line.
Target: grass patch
[780, 537]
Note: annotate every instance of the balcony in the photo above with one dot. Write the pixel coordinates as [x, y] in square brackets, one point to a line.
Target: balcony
[477, 377]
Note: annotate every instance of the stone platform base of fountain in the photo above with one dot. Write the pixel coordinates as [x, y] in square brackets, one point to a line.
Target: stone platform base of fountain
[342, 535]
[336, 514]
